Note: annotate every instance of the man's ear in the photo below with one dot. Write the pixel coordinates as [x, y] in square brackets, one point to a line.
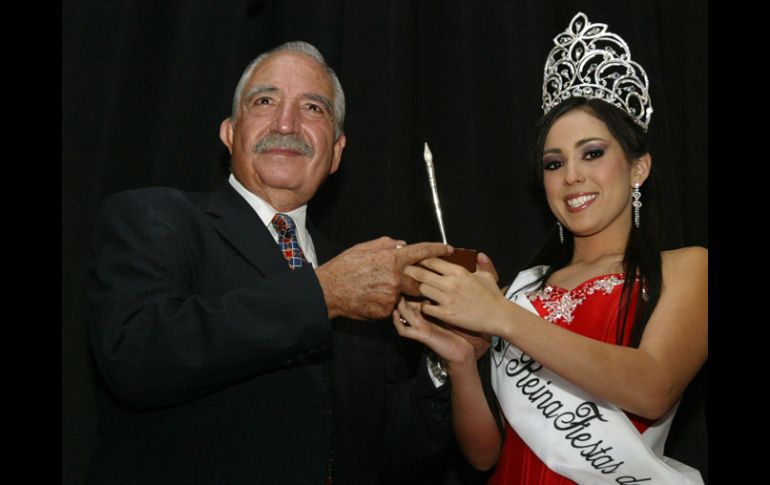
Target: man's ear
[339, 145]
[226, 134]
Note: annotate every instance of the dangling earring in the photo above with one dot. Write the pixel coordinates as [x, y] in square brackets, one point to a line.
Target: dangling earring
[637, 203]
[561, 232]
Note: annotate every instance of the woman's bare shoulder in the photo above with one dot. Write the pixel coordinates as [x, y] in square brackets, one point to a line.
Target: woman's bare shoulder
[685, 262]
[687, 256]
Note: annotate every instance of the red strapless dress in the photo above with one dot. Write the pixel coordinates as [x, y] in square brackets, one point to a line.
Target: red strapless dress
[590, 309]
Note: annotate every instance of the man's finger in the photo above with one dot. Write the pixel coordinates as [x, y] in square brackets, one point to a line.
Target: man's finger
[415, 253]
[383, 242]
[410, 286]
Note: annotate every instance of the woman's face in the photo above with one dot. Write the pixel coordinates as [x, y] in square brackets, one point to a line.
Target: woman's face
[588, 180]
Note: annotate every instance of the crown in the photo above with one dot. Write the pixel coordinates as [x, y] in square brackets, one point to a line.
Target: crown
[590, 62]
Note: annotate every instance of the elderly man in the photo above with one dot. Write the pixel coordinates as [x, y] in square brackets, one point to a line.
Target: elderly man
[220, 320]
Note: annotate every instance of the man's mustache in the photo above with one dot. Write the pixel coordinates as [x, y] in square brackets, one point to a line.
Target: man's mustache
[290, 142]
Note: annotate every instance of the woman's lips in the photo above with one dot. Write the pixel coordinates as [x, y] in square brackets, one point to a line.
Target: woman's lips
[578, 202]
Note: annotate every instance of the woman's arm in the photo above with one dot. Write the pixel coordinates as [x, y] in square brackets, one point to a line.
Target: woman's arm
[646, 381]
[474, 425]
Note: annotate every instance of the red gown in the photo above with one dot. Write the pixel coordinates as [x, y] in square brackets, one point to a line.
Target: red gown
[589, 309]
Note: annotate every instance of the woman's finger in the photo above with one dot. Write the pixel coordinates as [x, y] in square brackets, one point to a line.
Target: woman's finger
[483, 263]
[442, 267]
[421, 274]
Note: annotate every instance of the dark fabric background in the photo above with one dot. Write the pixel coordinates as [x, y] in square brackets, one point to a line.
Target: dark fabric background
[146, 84]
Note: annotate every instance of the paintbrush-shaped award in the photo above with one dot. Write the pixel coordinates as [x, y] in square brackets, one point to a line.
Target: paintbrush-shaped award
[428, 156]
[464, 257]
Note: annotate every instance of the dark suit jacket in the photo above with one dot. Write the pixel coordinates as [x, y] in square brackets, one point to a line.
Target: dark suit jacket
[221, 366]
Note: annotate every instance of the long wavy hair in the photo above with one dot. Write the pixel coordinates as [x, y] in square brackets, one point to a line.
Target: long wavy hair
[641, 259]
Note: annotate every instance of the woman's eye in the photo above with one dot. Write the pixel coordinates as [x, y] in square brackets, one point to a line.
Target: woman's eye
[551, 164]
[592, 154]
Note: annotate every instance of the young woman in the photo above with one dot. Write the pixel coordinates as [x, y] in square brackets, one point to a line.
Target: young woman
[595, 343]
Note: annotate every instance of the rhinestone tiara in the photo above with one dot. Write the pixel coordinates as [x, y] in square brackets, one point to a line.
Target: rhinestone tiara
[590, 62]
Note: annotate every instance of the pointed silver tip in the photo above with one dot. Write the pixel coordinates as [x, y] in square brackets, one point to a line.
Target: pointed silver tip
[427, 155]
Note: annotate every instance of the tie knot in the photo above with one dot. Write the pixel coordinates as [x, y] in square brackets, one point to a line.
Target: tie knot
[284, 224]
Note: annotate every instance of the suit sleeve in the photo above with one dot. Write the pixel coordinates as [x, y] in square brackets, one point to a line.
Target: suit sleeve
[419, 431]
[158, 342]
[420, 437]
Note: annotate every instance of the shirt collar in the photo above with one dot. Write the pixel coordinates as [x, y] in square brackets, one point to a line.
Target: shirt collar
[265, 211]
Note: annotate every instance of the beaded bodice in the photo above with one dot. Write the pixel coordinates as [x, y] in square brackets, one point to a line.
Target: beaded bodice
[559, 304]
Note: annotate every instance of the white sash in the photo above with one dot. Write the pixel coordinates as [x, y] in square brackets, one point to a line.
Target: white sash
[577, 435]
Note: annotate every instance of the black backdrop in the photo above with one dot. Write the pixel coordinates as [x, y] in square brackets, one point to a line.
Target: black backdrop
[146, 84]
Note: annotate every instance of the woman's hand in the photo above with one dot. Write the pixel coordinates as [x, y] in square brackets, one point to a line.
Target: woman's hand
[472, 420]
[469, 300]
[479, 342]
[457, 348]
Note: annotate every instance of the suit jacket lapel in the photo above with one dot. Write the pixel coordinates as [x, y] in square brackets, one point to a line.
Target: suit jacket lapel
[236, 221]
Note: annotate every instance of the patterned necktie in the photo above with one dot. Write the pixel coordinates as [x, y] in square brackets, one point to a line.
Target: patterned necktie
[287, 240]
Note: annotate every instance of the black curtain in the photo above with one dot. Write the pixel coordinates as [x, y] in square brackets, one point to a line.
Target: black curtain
[146, 84]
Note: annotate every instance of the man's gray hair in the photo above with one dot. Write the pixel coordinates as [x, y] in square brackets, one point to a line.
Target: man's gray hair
[308, 50]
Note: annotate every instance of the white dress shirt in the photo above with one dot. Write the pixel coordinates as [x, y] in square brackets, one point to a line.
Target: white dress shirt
[266, 212]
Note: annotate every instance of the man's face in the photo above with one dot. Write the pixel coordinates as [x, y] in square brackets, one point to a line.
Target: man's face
[282, 143]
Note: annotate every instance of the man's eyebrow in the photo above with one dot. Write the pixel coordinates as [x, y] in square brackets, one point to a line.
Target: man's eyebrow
[260, 89]
[269, 88]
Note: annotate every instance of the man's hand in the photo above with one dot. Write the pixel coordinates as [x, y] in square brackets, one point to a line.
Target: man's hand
[365, 281]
